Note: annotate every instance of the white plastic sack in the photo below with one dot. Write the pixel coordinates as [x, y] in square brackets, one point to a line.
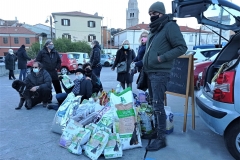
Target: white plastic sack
[96, 145]
[113, 148]
[125, 122]
[119, 88]
[62, 115]
[169, 120]
[67, 82]
[71, 130]
[81, 138]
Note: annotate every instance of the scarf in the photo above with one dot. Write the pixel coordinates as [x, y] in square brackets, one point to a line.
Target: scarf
[77, 86]
[158, 24]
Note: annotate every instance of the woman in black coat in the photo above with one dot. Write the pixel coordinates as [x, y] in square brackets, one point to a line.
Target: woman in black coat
[10, 60]
[125, 54]
[51, 62]
[22, 62]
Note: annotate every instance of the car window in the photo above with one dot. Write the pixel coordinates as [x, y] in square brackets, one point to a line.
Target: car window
[205, 53]
[102, 56]
[85, 56]
[70, 56]
[190, 52]
[212, 53]
[76, 56]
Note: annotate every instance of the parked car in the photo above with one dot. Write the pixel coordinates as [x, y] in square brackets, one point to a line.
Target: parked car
[218, 102]
[199, 67]
[106, 60]
[2, 58]
[68, 65]
[80, 57]
[200, 55]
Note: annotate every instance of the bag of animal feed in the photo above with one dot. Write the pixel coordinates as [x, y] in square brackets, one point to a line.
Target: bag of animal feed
[113, 148]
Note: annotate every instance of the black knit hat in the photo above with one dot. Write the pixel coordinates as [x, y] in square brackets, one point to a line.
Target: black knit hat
[79, 70]
[23, 46]
[157, 7]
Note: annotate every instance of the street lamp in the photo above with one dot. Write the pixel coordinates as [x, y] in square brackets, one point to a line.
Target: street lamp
[50, 25]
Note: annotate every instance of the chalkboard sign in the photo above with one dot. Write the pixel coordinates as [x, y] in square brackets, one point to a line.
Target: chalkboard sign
[179, 76]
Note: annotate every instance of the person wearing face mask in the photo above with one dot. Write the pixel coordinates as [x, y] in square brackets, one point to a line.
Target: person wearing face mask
[82, 86]
[38, 84]
[165, 43]
[128, 55]
[10, 60]
[95, 58]
[97, 85]
[51, 61]
[22, 62]
[137, 62]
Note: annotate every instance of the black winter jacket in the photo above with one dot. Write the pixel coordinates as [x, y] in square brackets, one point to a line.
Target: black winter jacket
[22, 58]
[95, 56]
[138, 59]
[51, 61]
[120, 57]
[42, 79]
[10, 60]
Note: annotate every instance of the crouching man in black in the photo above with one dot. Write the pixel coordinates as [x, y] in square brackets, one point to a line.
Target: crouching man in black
[38, 86]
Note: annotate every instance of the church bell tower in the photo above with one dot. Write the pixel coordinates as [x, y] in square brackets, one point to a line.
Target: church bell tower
[132, 13]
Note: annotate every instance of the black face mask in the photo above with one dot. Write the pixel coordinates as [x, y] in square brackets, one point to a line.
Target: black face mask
[154, 18]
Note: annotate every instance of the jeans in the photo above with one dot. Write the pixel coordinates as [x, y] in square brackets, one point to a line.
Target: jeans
[22, 74]
[97, 70]
[61, 97]
[157, 86]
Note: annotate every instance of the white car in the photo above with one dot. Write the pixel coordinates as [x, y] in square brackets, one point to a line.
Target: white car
[218, 102]
[80, 57]
[203, 54]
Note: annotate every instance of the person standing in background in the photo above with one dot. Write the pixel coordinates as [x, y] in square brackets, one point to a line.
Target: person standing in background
[10, 60]
[125, 53]
[96, 58]
[165, 43]
[51, 62]
[22, 62]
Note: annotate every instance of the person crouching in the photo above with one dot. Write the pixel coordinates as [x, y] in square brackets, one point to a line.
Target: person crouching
[82, 87]
[38, 86]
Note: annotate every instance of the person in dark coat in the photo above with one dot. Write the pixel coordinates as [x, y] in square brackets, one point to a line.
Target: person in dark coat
[137, 62]
[165, 43]
[38, 84]
[82, 87]
[10, 60]
[125, 54]
[95, 58]
[51, 61]
[22, 62]
[97, 85]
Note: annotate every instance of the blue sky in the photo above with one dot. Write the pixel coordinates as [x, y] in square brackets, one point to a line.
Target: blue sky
[113, 11]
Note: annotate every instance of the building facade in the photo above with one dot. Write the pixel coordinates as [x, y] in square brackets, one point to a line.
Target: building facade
[14, 37]
[132, 13]
[78, 26]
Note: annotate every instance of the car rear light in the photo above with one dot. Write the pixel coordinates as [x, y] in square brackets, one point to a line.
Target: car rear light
[223, 90]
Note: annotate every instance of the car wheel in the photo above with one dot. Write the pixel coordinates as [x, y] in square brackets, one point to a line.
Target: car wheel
[64, 70]
[232, 139]
[28, 70]
[106, 64]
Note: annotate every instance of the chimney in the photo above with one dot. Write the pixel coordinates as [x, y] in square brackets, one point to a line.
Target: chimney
[96, 14]
[142, 22]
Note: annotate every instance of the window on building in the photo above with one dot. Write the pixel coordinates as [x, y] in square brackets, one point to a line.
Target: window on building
[5, 40]
[91, 24]
[191, 38]
[131, 14]
[66, 35]
[65, 22]
[91, 37]
[27, 40]
[16, 41]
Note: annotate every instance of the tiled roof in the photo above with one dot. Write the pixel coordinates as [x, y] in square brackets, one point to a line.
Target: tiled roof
[15, 30]
[76, 13]
[182, 28]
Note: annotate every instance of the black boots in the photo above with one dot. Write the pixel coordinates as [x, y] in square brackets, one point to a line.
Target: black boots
[159, 133]
[22, 100]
